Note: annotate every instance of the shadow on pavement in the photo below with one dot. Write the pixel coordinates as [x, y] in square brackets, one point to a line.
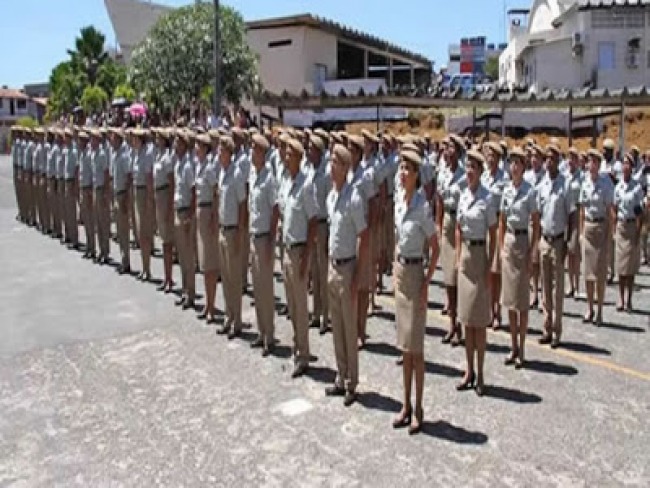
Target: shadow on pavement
[511, 394]
[551, 368]
[435, 331]
[377, 401]
[585, 348]
[384, 315]
[445, 431]
[624, 328]
[321, 374]
[382, 348]
[442, 370]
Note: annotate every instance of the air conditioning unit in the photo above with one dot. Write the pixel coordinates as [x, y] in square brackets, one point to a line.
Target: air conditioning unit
[577, 43]
[632, 60]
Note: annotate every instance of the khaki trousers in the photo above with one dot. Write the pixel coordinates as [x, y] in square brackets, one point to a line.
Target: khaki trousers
[102, 220]
[70, 215]
[230, 255]
[38, 179]
[45, 209]
[245, 246]
[344, 324]
[296, 292]
[320, 260]
[552, 266]
[132, 217]
[389, 230]
[184, 237]
[122, 225]
[88, 217]
[56, 201]
[53, 210]
[28, 194]
[262, 272]
[18, 190]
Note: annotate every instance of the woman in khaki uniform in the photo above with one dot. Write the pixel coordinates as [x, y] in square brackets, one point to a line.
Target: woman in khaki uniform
[163, 176]
[206, 216]
[518, 208]
[476, 231]
[413, 227]
[596, 212]
[575, 176]
[142, 167]
[628, 201]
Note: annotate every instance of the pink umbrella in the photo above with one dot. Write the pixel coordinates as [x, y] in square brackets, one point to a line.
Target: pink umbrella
[138, 109]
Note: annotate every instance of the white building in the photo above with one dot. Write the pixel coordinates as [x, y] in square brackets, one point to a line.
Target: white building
[576, 43]
[15, 104]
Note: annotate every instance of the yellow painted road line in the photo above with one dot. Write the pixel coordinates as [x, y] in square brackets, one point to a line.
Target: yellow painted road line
[576, 356]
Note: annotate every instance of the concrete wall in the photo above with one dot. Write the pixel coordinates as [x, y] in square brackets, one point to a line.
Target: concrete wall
[319, 48]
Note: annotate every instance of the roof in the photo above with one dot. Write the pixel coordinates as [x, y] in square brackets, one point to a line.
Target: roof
[13, 93]
[590, 4]
[340, 30]
[585, 97]
[133, 19]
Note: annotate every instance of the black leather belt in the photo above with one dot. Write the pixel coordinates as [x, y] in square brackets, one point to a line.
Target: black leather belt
[518, 232]
[260, 235]
[475, 242]
[409, 261]
[296, 245]
[88, 187]
[341, 262]
[140, 187]
[552, 239]
[322, 221]
[161, 188]
[627, 221]
[120, 192]
[204, 204]
[596, 220]
[227, 227]
[69, 180]
[182, 209]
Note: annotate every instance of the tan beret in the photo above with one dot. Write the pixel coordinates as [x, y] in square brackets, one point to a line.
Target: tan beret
[322, 133]
[317, 142]
[594, 153]
[67, 132]
[475, 155]
[517, 152]
[629, 157]
[39, 131]
[342, 153]
[369, 135]
[457, 140]
[409, 146]
[237, 132]
[537, 149]
[227, 143]
[493, 146]
[608, 144]
[552, 148]
[573, 150]
[635, 148]
[356, 141]
[83, 135]
[337, 138]
[95, 133]
[204, 139]
[260, 141]
[504, 145]
[296, 146]
[410, 157]
[253, 130]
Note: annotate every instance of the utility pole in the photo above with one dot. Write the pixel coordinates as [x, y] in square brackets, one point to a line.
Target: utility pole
[216, 109]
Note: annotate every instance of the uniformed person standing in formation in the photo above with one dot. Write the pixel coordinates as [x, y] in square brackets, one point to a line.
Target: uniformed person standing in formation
[163, 179]
[475, 247]
[596, 214]
[122, 181]
[185, 218]
[518, 208]
[207, 179]
[264, 217]
[348, 252]
[299, 228]
[494, 179]
[628, 200]
[414, 226]
[71, 178]
[101, 195]
[86, 194]
[451, 184]
[534, 175]
[576, 178]
[556, 207]
[319, 179]
[52, 157]
[40, 182]
[142, 160]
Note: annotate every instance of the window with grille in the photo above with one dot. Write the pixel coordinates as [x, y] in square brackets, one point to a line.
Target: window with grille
[618, 18]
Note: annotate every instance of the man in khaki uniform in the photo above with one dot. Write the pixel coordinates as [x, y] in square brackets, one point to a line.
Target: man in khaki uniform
[28, 177]
[264, 216]
[232, 202]
[347, 233]
[86, 195]
[71, 179]
[122, 181]
[299, 228]
[102, 198]
[243, 164]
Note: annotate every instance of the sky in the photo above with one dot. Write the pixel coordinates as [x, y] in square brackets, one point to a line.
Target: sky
[36, 33]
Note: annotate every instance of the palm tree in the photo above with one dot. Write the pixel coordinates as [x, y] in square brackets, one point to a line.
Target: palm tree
[89, 53]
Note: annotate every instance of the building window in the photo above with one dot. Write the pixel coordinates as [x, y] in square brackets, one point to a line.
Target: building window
[2, 99]
[282, 43]
[21, 104]
[606, 56]
[617, 18]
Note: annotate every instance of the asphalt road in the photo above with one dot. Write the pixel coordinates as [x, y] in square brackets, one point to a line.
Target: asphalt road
[103, 382]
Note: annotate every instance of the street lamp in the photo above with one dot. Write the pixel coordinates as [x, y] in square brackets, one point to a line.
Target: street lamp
[216, 109]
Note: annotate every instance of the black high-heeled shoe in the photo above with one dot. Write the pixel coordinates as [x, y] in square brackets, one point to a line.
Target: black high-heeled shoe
[479, 389]
[511, 359]
[403, 420]
[458, 336]
[448, 337]
[588, 318]
[467, 383]
[416, 427]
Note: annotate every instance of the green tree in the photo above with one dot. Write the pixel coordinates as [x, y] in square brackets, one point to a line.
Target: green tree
[492, 68]
[110, 76]
[66, 87]
[89, 53]
[174, 63]
[93, 99]
[124, 91]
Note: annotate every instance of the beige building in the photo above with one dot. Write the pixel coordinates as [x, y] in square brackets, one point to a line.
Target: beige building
[575, 43]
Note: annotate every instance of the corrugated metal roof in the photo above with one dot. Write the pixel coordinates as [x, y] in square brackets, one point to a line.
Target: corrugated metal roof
[13, 93]
[587, 4]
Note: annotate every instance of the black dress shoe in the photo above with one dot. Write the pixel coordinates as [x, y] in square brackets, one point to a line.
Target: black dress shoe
[350, 398]
[467, 383]
[161, 287]
[334, 390]
[257, 343]
[124, 270]
[180, 301]
[315, 324]
[403, 420]
[223, 330]
[323, 330]
[400, 360]
[203, 315]
[299, 370]
[545, 339]
[512, 359]
[188, 304]
[447, 338]
[234, 333]
[555, 343]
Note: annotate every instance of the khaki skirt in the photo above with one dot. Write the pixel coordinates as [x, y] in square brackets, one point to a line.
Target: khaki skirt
[164, 218]
[628, 255]
[448, 251]
[514, 272]
[208, 238]
[143, 217]
[473, 297]
[595, 250]
[410, 316]
[534, 254]
[573, 244]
